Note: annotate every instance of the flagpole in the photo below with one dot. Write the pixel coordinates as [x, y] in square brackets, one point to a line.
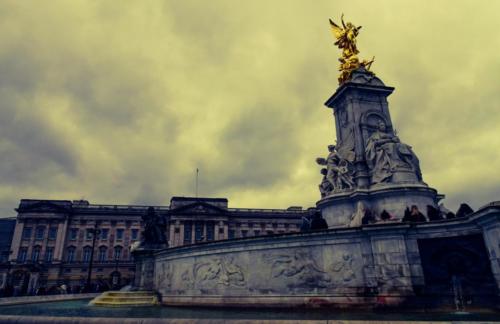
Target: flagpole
[197, 171]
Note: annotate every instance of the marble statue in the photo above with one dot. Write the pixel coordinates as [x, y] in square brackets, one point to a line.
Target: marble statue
[325, 187]
[357, 217]
[385, 155]
[339, 175]
[154, 228]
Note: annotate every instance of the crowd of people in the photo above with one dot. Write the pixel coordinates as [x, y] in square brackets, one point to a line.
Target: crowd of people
[364, 216]
[414, 215]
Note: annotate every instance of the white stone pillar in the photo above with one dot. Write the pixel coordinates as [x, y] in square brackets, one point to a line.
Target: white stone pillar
[16, 240]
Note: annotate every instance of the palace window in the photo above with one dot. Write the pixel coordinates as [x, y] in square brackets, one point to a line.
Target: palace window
[119, 234]
[73, 234]
[70, 256]
[134, 234]
[198, 231]
[104, 233]
[52, 233]
[210, 231]
[27, 233]
[102, 253]
[48, 254]
[230, 234]
[256, 232]
[23, 252]
[87, 252]
[118, 253]
[35, 255]
[188, 227]
[89, 234]
[40, 230]
[244, 233]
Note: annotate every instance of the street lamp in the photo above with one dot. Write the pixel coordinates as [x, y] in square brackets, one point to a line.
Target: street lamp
[95, 232]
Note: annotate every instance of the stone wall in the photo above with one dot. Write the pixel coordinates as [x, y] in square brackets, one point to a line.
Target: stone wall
[365, 266]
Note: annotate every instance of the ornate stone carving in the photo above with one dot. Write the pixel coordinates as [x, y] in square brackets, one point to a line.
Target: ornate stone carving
[300, 267]
[218, 271]
[344, 268]
[386, 155]
[164, 278]
[339, 171]
[357, 217]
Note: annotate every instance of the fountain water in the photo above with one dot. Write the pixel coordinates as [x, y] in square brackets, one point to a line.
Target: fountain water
[458, 295]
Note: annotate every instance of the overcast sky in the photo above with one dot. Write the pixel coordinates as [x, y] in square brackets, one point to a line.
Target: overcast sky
[118, 102]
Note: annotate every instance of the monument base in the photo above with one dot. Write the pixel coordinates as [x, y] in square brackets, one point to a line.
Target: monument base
[379, 265]
[338, 208]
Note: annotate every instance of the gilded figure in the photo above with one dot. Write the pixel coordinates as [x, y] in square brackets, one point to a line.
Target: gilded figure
[346, 40]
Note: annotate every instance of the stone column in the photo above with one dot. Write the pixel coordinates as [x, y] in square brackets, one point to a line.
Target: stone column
[16, 239]
[204, 232]
[62, 229]
[216, 231]
[171, 235]
[144, 270]
[491, 235]
[180, 238]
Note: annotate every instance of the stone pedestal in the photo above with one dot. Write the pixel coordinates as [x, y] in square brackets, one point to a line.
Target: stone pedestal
[337, 209]
[369, 163]
[144, 269]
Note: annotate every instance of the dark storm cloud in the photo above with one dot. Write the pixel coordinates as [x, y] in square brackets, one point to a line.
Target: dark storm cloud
[121, 104]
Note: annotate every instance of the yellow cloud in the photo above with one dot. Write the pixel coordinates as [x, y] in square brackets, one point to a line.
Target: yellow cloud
[121, 102]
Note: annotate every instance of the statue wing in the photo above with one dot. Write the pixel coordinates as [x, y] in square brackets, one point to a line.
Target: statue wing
[336, 29]
[346, 147]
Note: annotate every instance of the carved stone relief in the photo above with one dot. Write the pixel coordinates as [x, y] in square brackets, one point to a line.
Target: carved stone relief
[344, 269]
[164, 277]
[300, 268]
[213, 272]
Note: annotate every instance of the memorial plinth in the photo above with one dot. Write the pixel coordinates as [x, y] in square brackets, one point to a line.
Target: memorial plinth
[369, 165]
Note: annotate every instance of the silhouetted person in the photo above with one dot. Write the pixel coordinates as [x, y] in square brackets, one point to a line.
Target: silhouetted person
[433, 214]
[368, 218]
[464, 210]
[306, 224]
[318, 222]
[445, 212]
[406, 217]
[414, 215]
[385, 215]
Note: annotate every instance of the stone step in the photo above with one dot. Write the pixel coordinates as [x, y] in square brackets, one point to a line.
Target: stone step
[129, 293]
[126, 298]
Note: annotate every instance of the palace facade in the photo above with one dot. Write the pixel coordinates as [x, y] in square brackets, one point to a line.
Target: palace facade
[54, 244]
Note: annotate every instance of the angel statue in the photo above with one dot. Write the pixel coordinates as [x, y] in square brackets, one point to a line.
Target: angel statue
[346, 41]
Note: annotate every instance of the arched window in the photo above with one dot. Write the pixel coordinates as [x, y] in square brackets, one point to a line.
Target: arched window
[70, 256]
[87, 251]
[102, 253]
[35, 255]
[118, 252]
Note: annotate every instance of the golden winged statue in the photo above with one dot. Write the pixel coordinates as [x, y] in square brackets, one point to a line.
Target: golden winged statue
[346, 41]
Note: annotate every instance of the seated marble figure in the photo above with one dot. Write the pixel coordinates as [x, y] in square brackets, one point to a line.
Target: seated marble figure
[386, 154]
